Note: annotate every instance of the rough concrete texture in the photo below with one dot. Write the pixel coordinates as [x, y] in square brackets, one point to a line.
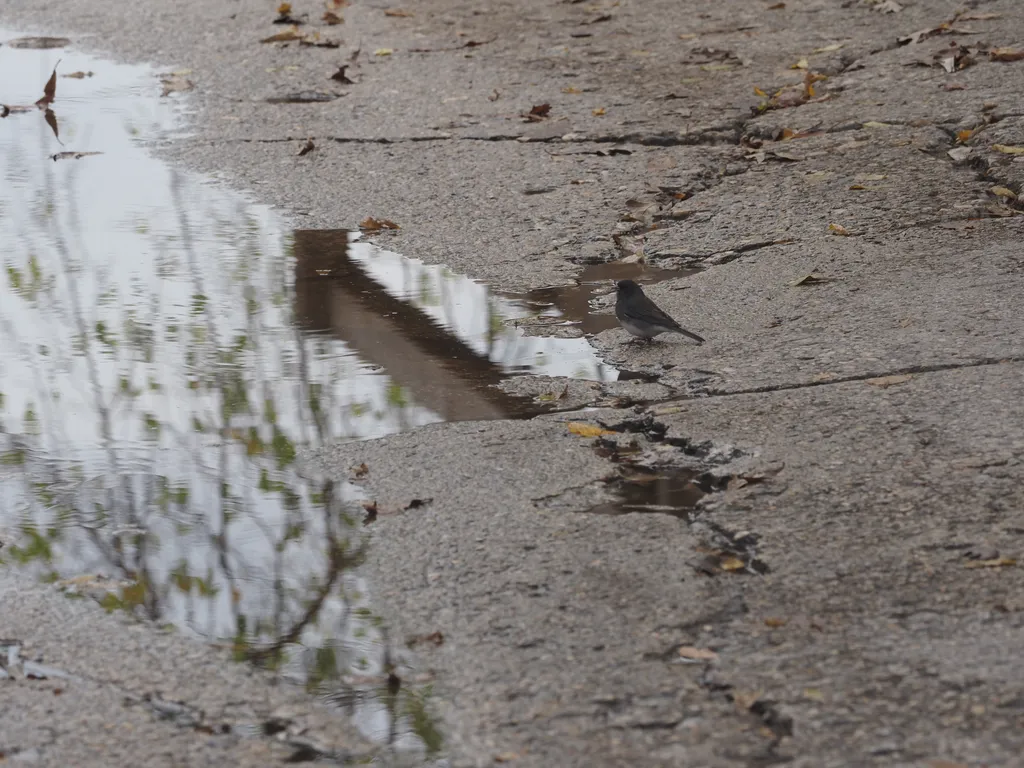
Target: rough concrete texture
[862, 386]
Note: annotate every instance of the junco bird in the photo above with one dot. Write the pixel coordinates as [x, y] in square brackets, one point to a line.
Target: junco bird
[641, 316]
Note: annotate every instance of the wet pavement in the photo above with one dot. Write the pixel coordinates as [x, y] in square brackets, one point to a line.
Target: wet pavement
[169, 346]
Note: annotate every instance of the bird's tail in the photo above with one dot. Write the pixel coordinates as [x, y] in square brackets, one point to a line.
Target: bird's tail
[689, 335]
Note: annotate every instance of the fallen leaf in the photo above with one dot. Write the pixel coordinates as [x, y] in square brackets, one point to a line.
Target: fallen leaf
[696, 654]
[308, 147]
[838, 229]
[875, 124]
[50, 89]
[286, 36]
[1008, 150]
[284, 9]
[1006, 54]
[417, 504]
[571, 89]
[999, 562]
[732, 564]
[964, 135]
[537, 113]
[598, 112]
[800, 64]
[858, 187]
[383, 52]
[1003, 192]
[828, 48]
[587, 430]
[397, 12]
[776, 7]
[330, 18]
[775, 623]
[884, 382]
[370, 224]
[824, 376]
[341, 77]
[78, 75]
[72, 155]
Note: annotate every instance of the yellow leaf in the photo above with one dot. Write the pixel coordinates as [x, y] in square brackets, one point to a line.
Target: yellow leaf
[598, 112]
[875, 124]
[284, 9]
[964, 135]
[1008, 150]
[697, 654]
[732, 564]
[838, 229]
[292, 33]
[999, 562]
[775, 623]
[583, 429]
[884, 382]
[828, 48]
[383, 52]
[801, 64]
[571, 89]
[1003, 192]
[760, 93]
[858, 186]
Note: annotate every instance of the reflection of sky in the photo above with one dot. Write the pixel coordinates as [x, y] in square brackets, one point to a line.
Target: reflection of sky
[479, 317]
[153, 388]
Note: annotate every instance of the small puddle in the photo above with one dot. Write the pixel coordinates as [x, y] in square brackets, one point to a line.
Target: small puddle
[672, 492]
[168, 346]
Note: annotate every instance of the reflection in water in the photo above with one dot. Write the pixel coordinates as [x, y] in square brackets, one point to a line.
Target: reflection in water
[168, 346]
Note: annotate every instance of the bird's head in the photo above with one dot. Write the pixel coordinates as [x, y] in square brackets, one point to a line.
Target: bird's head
[628, 287]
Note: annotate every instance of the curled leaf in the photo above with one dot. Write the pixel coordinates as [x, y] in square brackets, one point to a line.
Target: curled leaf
[583, 429]
[370, 224]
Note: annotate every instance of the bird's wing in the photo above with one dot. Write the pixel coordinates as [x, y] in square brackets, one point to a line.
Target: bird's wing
[652, 314]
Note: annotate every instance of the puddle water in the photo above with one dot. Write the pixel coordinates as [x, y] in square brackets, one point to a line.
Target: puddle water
[168, 346]
[672, 492]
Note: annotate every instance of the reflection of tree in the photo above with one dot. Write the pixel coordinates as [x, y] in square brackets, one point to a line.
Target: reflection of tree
[154, 401]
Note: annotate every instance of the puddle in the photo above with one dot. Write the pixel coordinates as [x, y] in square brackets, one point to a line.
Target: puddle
[168, 346]
[672, 492]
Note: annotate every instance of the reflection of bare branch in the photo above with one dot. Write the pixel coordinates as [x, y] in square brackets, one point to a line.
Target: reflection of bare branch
[339, 561]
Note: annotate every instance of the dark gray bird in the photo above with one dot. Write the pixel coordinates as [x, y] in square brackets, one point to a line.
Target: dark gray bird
[642, 317]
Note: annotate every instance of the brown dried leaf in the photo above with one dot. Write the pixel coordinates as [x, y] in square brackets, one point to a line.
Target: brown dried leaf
[360, 470]
[289, 35]
[1006, 54]
[308, 147]
[583, 429]
[696, 654]
[999, 562]
[884, 382]
[370, 224]
[838, 229]
[537, 113]
[598, 112]
[330, 18]
[775, 623]
[776, 7]
[398, 13]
